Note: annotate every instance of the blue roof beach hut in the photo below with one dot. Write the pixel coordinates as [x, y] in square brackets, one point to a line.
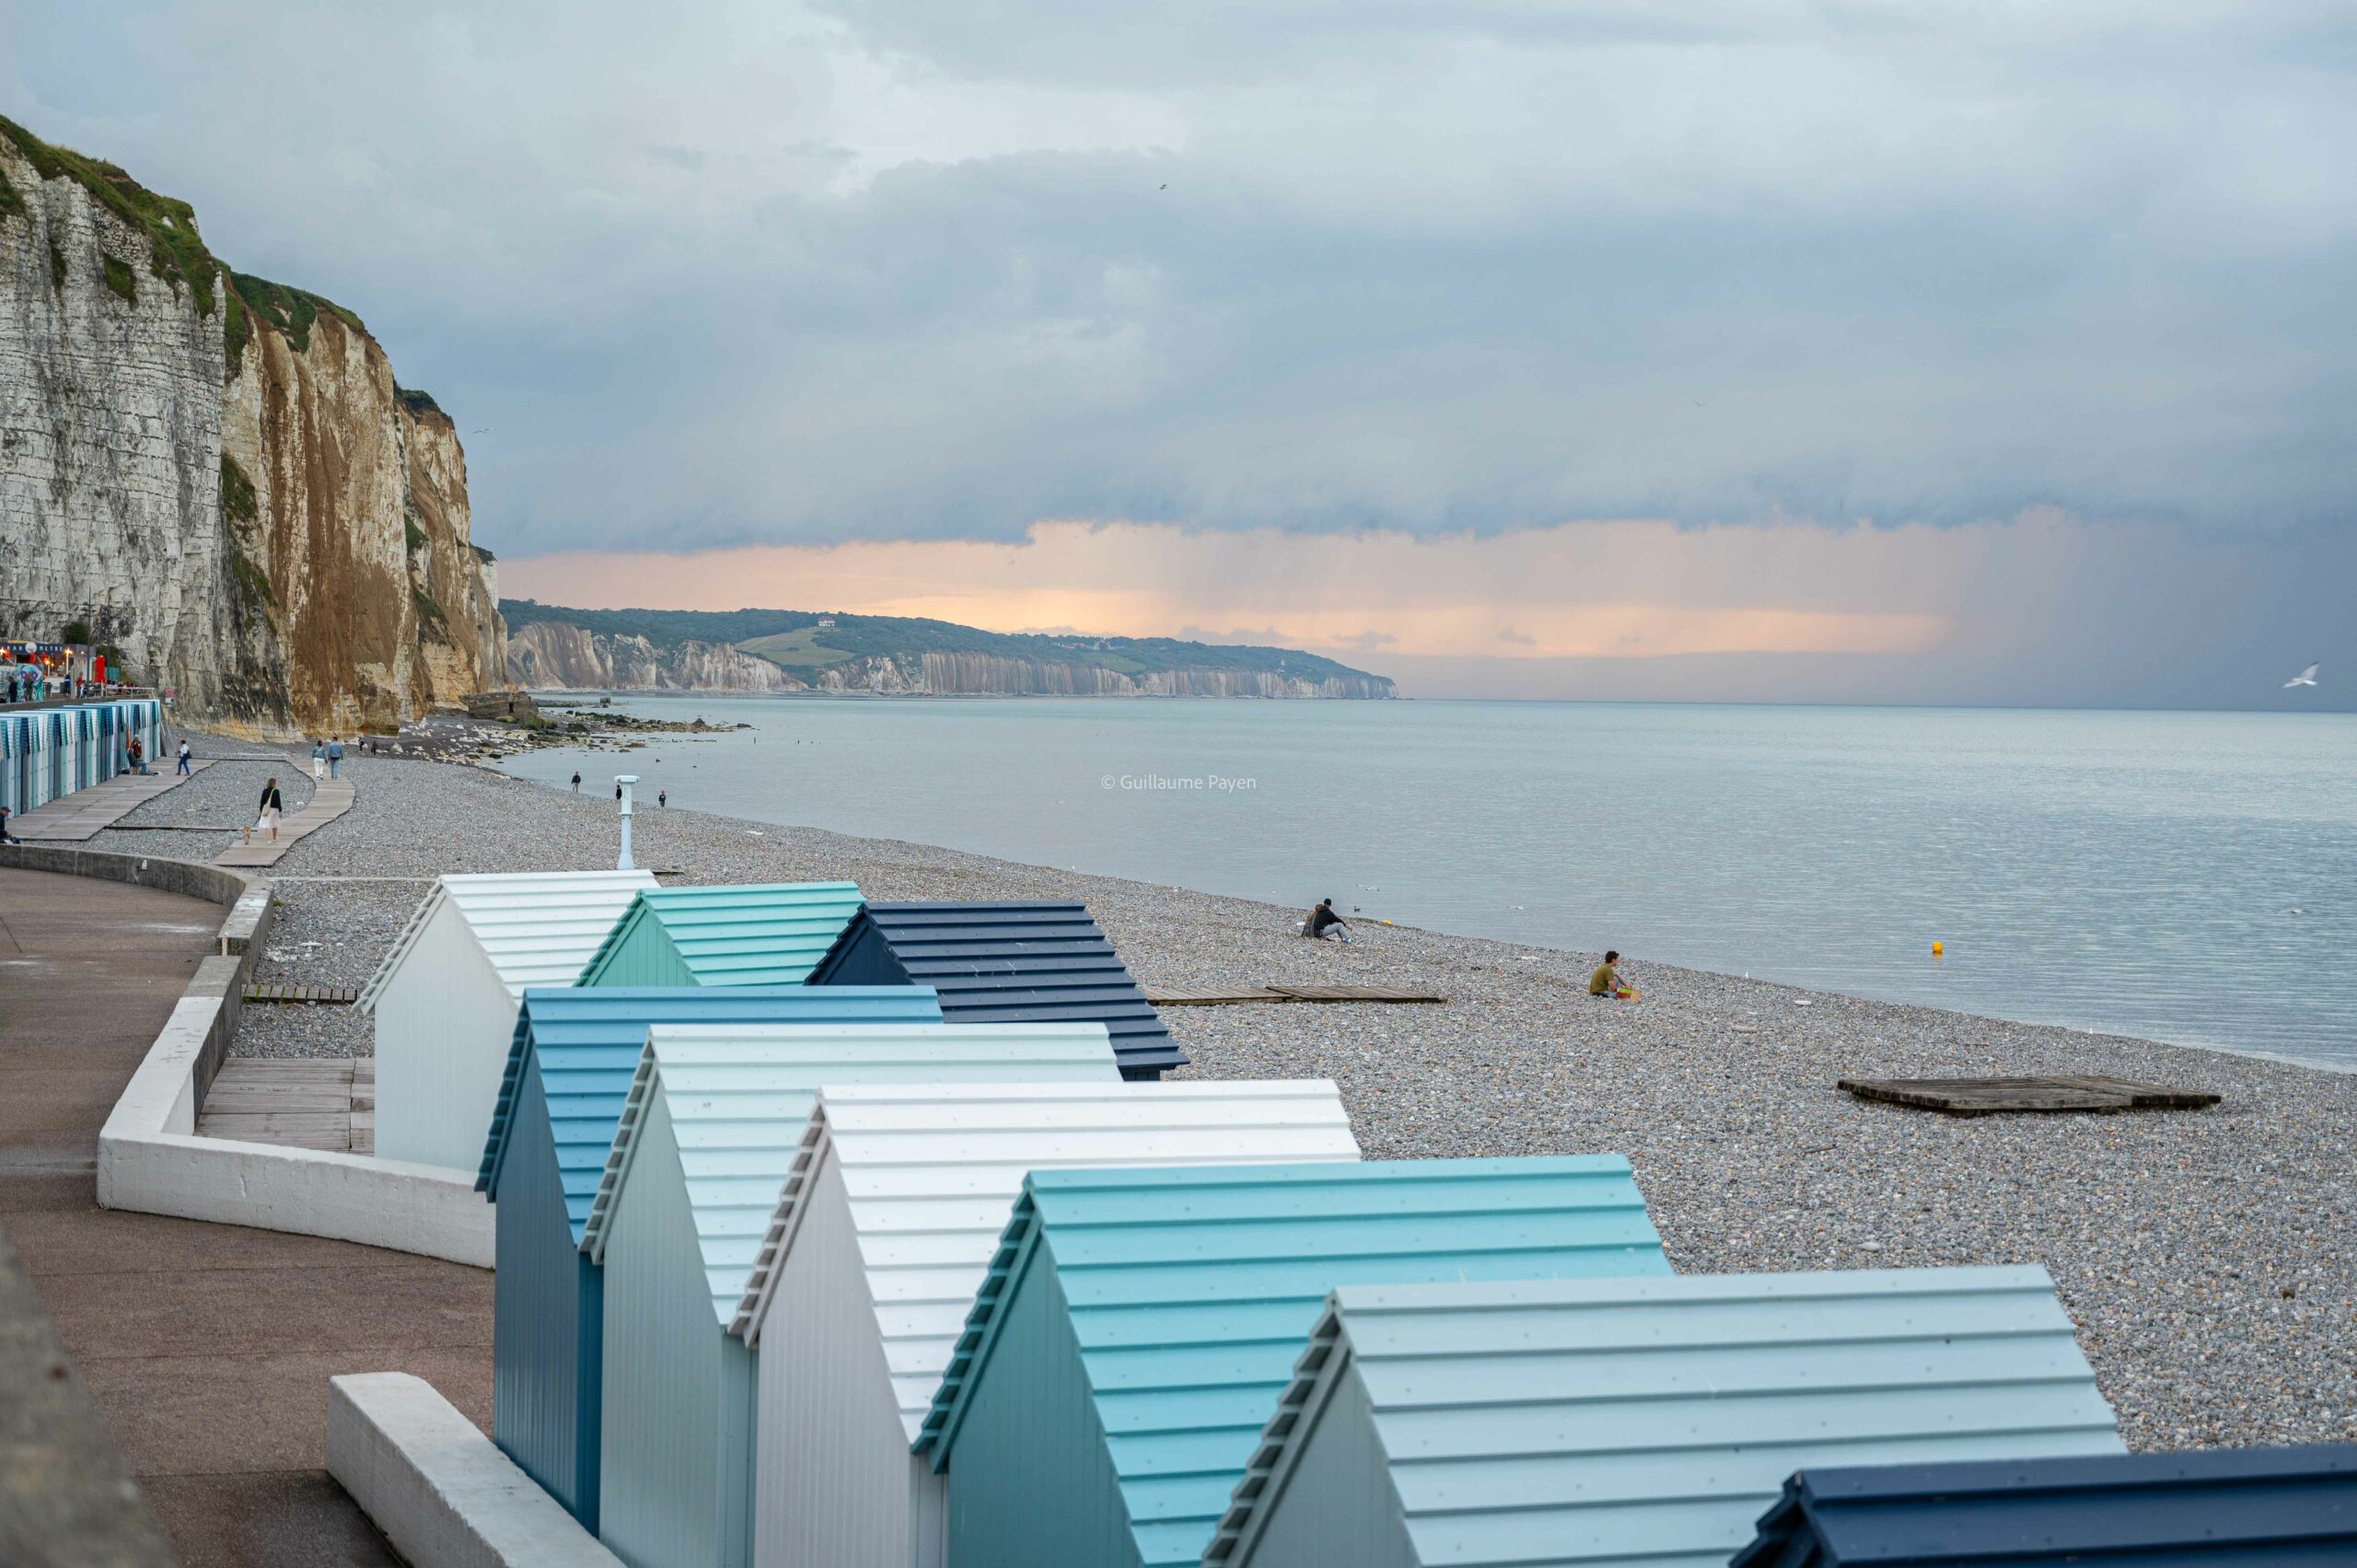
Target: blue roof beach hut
[711, 1128]
[1614, 1424]
[1137, 1327]
[2281, 1507]
[999, 962]
[761, 934]
[560, 1100]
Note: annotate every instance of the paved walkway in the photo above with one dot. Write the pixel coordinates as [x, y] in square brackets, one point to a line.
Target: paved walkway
[330, 798]
[77, 816]
[208, 1348]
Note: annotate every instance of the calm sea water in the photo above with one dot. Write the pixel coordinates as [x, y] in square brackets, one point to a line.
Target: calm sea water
[2180, 877]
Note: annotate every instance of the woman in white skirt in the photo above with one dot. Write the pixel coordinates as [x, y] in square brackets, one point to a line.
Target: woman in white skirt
[272, 809]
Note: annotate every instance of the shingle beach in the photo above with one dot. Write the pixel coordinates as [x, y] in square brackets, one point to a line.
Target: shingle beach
[2209, 1257]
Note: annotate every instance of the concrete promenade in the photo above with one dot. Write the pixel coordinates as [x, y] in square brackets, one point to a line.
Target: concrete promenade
[208, 1348]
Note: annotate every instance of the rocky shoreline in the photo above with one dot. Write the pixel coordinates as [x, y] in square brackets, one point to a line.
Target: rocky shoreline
[2210, 1258]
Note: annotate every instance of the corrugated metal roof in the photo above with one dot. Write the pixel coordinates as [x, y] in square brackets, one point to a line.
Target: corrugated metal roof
[761, 933]
[1620, 1421]
[589, 1042]
[538, 928]
[1193, 1291]
[742, 1096]
[2285, 1507]
[1017, 961]
[932, 1171]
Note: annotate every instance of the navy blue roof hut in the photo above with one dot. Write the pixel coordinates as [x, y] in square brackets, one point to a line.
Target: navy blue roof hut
[2283, 1508]
[1005, 962]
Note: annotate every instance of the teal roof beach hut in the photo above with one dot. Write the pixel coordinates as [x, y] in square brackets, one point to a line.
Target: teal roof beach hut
[710, 1130]
[561, 1098]
[761, 934]
[1614, 1424]
[1137, 1327]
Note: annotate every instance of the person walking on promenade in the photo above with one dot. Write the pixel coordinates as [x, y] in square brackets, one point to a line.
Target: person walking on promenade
[272, 808]
[318, 760]
[335, 758]
[183, 769]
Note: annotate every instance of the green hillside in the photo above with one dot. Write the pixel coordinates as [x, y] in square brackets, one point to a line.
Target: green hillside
[794, 640]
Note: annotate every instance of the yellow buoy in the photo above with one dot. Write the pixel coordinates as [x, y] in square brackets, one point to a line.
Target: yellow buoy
[1937, 949]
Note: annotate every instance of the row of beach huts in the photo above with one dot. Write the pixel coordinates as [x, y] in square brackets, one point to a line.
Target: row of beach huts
[836, 1234]
[47, 752]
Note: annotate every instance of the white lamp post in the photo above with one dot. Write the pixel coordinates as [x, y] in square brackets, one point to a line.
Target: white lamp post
[624, 784]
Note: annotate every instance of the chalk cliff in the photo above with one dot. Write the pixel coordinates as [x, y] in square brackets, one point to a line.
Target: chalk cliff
[218, 474]
[554, 656]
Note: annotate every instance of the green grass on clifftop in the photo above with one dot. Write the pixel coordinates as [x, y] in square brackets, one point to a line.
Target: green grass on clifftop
[175, 252]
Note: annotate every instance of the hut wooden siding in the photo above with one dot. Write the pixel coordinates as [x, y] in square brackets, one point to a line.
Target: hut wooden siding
[1010, 962]
[1137, 1327]
[886, 1227]
[446, 998]
[756, 934]
[2212, 1508]
[711, 1128]
[1642, 1422]
[46, 752]
[561, 1098]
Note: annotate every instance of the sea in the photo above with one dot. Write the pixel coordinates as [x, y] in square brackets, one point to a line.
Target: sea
[2184, 877]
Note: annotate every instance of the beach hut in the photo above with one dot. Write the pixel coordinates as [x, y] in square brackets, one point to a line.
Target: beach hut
[1610, 1423]
[711, 1128]
[2283, 1508]
[1005, 962]
[768, 933]
[445, 999]
[569, 1069]
[1136, 1328]
[884, 1231]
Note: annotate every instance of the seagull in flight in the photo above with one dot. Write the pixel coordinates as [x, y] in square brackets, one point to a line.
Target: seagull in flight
[2305, 678]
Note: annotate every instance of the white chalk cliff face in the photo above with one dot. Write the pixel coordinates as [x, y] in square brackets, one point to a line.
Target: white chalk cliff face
[220, 475]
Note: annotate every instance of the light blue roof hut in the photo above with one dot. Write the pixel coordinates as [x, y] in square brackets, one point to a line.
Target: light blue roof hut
[1137, 1327]
[561, 1098]
[712, 1127]
[761, 933]
[1641, 1423]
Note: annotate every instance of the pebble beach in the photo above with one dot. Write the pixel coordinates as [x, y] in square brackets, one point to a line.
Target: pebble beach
[2209, 1259]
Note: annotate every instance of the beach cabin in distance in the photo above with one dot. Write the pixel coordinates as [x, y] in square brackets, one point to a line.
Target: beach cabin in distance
[751, 934]
[886, 1227]
[569, 1070]
[1137, 1327]
[710, 1131]
[1004, 962]
[445, 999]
[1614, 1423]
[2208, 1508]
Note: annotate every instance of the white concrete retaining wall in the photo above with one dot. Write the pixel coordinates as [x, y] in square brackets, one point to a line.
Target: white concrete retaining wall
[442, 1493]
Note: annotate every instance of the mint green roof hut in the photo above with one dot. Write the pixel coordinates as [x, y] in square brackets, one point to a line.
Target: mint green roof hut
[759, 934]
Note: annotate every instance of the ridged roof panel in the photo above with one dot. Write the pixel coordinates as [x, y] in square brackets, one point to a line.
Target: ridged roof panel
[2285, 1507]
[932, 1171]
[1193, 1291]
[751, 934]
[1613, 1422]
[588, 1041]
[537, 928]
[741, 1098]
[1017, 961]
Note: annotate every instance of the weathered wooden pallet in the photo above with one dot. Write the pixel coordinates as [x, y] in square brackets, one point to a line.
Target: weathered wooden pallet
[337, 996]
[1992, 1096]
[1209, 996]
[1218, 996]
[1355, 994]
[326, 1103]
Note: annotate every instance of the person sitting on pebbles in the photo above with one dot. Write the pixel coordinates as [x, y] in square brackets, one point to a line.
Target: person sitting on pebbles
[1323, 924]
[1607, 980]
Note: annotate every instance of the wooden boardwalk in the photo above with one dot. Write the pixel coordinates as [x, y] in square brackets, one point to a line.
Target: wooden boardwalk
[303, 1105]
[1992, 1096]
[1220, 997]
[330, 798]
[330, 995]
[71, 818]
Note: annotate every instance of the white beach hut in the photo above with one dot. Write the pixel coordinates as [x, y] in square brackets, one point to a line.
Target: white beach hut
[885, 1229]
[711, 1130]
[445, 997]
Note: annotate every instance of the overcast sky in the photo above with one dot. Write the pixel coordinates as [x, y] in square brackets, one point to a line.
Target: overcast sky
[1590, 314]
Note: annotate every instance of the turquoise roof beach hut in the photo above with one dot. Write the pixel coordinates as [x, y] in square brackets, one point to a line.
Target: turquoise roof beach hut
[560, 1100]
[711, 1128]
[1137, 1327]
[1641, 1423]
[759, 934]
